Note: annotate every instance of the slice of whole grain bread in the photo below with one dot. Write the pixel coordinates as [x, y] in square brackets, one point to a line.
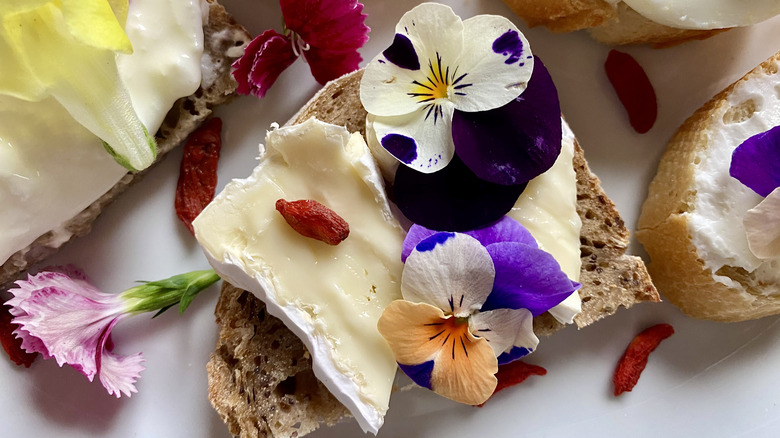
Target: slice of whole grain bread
[224, 41]
[607, 23]
[260, 376]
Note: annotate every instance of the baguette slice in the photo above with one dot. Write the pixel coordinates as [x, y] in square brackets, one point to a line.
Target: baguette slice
[606, 22]
[664, 225]
[260, 376]
[224, 41]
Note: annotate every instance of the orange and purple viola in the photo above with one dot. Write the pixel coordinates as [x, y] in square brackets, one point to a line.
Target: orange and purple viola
[468, 304]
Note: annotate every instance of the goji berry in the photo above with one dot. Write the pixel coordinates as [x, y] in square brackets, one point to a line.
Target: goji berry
[634, 359]
[514, 373]
[312, 219]
[198, 172]
[633, 88]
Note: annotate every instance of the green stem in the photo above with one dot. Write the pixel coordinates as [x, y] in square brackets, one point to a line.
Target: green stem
[162, 294]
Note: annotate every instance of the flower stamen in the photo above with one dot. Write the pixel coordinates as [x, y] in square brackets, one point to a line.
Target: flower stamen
[298, 44]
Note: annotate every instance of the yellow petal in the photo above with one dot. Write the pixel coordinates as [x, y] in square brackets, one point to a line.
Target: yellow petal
[16, 75]
[95, 23]
[14, 6]
[465, 370]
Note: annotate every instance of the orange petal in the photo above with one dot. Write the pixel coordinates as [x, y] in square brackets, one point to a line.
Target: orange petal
[465, 369]
[414, 331]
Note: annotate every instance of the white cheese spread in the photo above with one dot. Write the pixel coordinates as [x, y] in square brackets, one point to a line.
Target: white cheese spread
[51, 168]
[715, 221]
[705, 14]
[330, 296]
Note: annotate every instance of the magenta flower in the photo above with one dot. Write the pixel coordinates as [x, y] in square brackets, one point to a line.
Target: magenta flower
[61, 315]
[327, 33]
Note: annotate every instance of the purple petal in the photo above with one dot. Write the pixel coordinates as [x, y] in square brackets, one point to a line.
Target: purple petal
[513, 354]
[420, 374]
[402, 53]
[452, 199]
[516, 142]
[526, 278]
[505, 229]
[264, 59]
[756, 162]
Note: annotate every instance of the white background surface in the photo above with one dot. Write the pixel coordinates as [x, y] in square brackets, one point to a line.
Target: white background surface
[708, 379]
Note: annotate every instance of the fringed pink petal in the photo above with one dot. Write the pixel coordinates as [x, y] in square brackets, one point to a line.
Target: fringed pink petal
[118, 374]
[264, 59]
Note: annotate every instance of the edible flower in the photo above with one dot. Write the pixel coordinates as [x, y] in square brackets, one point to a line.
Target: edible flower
[327, 33]
[468, 304]
[463, 103]
[755, 164]
[60, 314]
[67, 50]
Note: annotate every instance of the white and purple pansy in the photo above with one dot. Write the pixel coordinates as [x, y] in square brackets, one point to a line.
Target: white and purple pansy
[435, 65]
[756, 164]
[468, 305]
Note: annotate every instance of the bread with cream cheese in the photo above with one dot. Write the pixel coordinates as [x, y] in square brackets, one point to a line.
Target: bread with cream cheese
[678, 267]
[260, 376]
[606, 22]
[224, 41]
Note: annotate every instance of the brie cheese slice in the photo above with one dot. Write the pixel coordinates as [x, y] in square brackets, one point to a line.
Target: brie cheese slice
[706, 14]
[329, 296]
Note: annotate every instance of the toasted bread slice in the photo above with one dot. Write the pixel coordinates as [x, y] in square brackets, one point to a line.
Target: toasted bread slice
[678, 268]
[260, 376]
[606, 22]
[224, 42]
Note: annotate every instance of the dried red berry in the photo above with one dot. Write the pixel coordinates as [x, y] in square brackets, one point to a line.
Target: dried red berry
[11, 344]
[633, 88]
[312, 219]
[514, 373]
[198, 171]
[634, 360]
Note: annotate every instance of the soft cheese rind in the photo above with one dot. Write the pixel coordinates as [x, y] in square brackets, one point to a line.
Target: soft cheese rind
[330, 296]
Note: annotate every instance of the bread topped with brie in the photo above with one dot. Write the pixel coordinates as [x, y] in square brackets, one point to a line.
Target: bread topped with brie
[641, 21]
[261, 376]
[692, 222]
[32, 233]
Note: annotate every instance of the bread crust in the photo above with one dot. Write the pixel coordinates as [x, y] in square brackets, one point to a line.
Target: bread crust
[675, 266]
[606, 23]
[224, 41]
[610, 279]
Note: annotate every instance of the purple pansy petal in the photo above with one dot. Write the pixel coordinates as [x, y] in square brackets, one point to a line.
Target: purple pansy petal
[264, 59]
[505, 229]
[420, 374]
[526, 278]
[415, 235]
[513, 354]
[452, 199]
[451, 271]
[514, 143]
[756, 162]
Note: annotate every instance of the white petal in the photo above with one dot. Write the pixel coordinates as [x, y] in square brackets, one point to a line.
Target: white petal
[433, 37]
[762, 225]
[387, 163]
[422, 140]
[451, 271]
[497, 61]
[567, 309]
[504, 328]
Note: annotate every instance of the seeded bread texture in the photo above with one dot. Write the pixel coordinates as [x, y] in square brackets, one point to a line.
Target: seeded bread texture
[224, 41]
[286, 402]
[607, 23]
[675, 265]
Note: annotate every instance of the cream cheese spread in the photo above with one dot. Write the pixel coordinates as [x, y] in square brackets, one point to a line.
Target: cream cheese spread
[51, 168]
[329, 296]
[705, 14]
[715, 220]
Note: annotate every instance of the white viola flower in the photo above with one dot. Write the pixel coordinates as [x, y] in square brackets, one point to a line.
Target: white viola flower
[438, 64]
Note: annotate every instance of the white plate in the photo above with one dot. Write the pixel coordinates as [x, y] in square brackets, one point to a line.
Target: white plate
[708, 379]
